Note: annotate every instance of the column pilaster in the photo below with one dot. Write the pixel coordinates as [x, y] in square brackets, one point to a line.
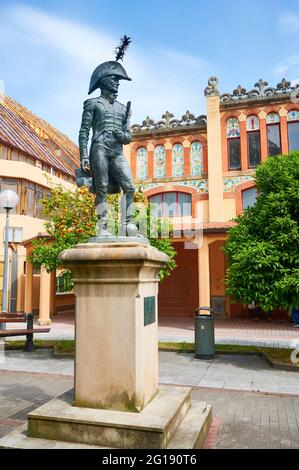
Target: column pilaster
[44, 297]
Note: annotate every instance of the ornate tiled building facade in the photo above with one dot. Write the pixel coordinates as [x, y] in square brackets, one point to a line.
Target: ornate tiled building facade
[209, 161]
[202, 167]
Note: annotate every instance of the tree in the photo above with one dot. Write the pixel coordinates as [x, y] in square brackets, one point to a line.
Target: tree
[144, 217]
[263, 248]
[71, 219]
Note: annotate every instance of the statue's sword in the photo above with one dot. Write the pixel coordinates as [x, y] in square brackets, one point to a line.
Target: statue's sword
[128, 108]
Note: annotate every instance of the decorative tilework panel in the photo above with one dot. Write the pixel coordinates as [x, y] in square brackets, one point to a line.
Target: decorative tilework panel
[293, 115]
[253, 123]
[142, 163]
[201, 185]
[159, 162]
[232, 128]
[177, 160]
[272, 118]
[230, 183]
[196, 156]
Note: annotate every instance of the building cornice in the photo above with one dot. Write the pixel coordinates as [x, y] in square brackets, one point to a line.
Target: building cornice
[169, 125]
[260, 94]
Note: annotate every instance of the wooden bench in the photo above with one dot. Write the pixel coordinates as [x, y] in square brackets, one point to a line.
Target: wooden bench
[28, 331]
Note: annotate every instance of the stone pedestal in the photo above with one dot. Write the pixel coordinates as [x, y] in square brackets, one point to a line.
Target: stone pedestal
[116, 287]
[117, 402]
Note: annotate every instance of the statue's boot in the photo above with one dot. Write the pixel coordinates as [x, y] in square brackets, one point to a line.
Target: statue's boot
[102, 230]
[128, 228]
[104, 233]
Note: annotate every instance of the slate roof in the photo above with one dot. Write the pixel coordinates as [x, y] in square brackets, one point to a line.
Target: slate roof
[23, 130]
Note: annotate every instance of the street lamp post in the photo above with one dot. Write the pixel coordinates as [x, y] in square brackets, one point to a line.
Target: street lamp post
[8, 200]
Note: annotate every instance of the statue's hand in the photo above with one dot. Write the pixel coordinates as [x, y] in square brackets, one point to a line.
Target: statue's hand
[85, 164]
[122, 137]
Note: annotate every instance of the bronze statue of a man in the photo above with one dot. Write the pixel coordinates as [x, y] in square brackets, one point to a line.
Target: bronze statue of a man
[110, 122]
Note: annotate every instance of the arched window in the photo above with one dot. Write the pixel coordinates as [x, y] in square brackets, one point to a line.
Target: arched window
[233, 144]
[64, 283]
[293, 129]
[159, 162]
[171, 204]
[253, 141]
[177, 160]
[249, 197]
[196, 157]
[273, 131]
[142, 163]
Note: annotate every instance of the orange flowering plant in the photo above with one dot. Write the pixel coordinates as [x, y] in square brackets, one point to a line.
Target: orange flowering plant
[70, 218]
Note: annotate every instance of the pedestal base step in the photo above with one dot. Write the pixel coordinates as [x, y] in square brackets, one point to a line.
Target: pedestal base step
[152, 428]
[194, 428]
[190, 434]
[18, 439]
[169, 421]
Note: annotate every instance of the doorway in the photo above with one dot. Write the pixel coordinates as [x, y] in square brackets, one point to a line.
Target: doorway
[178, 293]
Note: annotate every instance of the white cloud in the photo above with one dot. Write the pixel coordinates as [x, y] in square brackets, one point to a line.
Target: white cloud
[182, 59]
[75, 40]
[56, 57]
[289, 22]
[289, 66]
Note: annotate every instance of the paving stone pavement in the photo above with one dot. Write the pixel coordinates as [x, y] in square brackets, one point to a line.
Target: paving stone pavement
[21, 392]
[243, 372]
[248, 420]
[240, 419]
[278, 334]
[245, 332]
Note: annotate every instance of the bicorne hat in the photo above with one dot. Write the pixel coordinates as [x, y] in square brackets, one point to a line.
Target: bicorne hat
[105, 69]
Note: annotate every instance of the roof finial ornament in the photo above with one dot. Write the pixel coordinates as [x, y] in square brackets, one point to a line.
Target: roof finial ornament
[212, 88]
[169, 122]
[260, 91]
[284, 86]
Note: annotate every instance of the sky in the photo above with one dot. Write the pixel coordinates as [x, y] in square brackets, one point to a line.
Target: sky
[48, 51]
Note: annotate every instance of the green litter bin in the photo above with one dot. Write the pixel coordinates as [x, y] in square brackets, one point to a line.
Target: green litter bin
[204, 333]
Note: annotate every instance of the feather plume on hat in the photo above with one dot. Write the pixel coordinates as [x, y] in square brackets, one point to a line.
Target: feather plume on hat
[120, 50]
[112, 67]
